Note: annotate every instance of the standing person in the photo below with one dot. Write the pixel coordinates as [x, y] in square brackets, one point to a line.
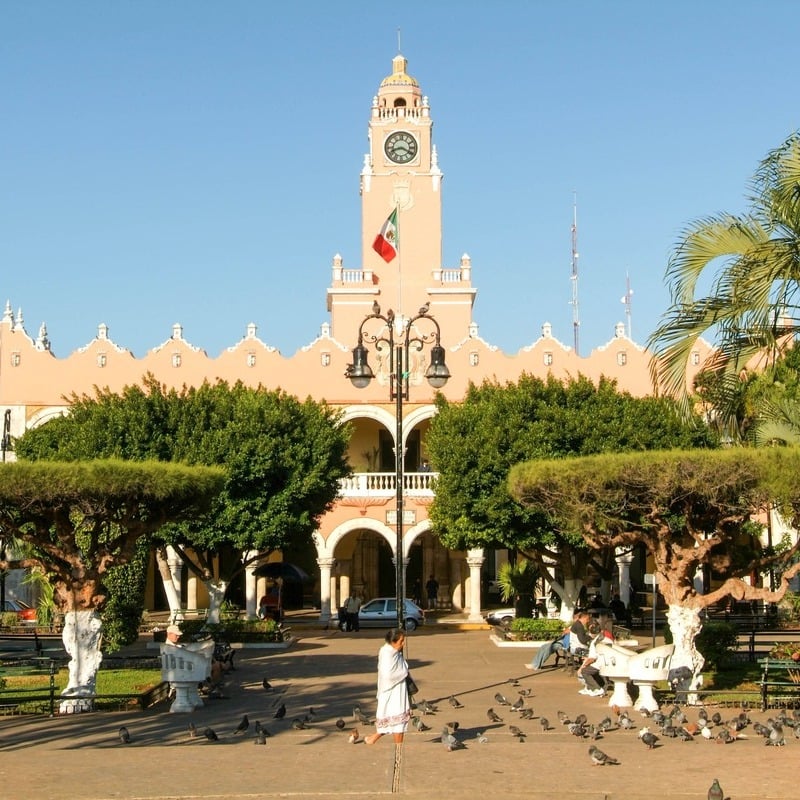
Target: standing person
[394, 704]
[416, 591]
[432, 590]
[351, 607]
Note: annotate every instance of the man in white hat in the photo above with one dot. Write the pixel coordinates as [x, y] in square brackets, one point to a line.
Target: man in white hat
[173, 634]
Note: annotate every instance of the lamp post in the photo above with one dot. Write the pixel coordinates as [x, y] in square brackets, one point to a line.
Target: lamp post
[399, 337]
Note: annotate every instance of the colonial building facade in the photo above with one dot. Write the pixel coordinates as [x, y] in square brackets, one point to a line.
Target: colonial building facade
[356, 542]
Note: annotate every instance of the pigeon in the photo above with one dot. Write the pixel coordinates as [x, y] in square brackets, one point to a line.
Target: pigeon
[576, 729]
[525, 692]
[500, 699]
[450, 742]
[517, 705]
[124, 735]
[715, 791]
[340, 723]
[454, 702]
[452, 726]
[648, 738]
[724, 737]
[192, 730]
[684, 735]
[526, 713]
[563, 718]
[260, 738]
[515, 731]
[492, 716]
[626, 723]
[353, 737]
[706, 733]
[670, 731]
[426, 707]
[210, 734]
[267, 685]
[545, 723]
[419, 725]
[281, 712]
[716, 718]
[605, 724]
[261, 730]
[599, 758]
[776, 737]
[298, 724]
[242, 726]
[359, 715]
[581, 719]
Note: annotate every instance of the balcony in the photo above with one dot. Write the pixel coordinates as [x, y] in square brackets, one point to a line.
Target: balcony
[384, 484]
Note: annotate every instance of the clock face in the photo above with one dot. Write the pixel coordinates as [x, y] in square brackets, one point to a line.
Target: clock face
[400, 147]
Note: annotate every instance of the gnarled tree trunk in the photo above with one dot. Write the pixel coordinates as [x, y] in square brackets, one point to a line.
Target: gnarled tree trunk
[81, 637]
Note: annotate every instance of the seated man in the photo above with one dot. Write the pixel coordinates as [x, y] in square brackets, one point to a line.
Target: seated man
[595, 682]
[579, 638]
[557, 646]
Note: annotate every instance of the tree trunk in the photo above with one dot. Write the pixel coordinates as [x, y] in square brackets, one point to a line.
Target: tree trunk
[81, 636]
[172, 592]
[685, 624]
[569, 597]
[216, 594]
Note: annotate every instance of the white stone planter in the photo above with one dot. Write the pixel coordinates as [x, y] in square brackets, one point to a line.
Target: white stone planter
[535, 644]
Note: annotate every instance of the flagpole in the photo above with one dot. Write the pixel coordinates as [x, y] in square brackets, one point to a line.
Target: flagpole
[399, 264]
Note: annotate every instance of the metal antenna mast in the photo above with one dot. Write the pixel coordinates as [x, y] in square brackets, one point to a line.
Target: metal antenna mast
[576, 319]
[627, 301]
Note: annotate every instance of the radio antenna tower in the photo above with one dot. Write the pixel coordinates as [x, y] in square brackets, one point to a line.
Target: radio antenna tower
[627, 301]
[576, 320]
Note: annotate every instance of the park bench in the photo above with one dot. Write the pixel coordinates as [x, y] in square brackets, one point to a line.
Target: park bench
[780, 683]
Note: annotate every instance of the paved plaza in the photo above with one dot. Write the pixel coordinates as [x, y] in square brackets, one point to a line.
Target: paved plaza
[331, 672]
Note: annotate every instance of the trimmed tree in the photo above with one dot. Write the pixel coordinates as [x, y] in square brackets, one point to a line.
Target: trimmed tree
[689, 508]
[78, 521]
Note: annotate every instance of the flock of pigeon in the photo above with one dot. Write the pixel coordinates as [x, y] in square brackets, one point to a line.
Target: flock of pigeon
[652, 730]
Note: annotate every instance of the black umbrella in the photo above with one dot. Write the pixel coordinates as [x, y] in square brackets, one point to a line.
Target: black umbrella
[284, 570]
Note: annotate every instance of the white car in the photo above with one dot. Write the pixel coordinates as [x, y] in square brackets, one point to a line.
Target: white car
[382, 612]
[501, 616]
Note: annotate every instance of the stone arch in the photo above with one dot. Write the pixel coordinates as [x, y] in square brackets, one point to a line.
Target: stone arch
[351, 525]
[380, 415]
[414, 418]
[413, 533]
[45, 415]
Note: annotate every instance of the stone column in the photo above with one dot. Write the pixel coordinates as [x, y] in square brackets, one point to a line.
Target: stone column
[250, 586]
[624, 559]
[475, 559]
[456, 586]
[175, 564]
[191, 591]
[325, 566]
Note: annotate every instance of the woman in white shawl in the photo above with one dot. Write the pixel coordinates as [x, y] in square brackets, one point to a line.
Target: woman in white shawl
[394, 706]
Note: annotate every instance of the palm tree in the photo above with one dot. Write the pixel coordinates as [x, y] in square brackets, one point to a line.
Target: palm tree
[753, 263]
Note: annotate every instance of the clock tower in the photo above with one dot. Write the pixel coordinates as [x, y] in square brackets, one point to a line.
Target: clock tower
[401, 171]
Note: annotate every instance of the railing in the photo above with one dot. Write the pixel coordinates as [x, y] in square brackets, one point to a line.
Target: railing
[383, 484]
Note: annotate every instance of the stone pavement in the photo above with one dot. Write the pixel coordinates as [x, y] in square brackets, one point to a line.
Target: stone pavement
[81, 757]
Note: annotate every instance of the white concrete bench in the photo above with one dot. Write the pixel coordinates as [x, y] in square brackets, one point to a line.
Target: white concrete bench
[613, 661]
[184, 666]
[646, 670]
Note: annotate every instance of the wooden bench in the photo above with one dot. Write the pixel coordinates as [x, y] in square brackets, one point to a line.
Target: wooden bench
[780, 682]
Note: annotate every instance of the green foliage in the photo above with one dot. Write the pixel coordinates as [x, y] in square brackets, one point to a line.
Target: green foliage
[717, 642]
[516, 579]
[537, 630]
[123, 611]
[789, 610]
[282, 458]
[750, 263]
[474, 444]
[784, 649]
[234, 630]
[8, 619]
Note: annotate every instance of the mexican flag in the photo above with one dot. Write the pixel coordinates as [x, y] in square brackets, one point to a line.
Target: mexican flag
[387, 241]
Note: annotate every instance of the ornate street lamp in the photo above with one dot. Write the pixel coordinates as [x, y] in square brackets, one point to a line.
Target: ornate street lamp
[399, 342]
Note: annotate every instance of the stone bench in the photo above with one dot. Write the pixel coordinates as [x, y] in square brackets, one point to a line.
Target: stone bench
[646, 670]
[613, 661]
[184, 666]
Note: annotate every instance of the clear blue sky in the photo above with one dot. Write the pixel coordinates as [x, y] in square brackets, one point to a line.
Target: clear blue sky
[198, 162]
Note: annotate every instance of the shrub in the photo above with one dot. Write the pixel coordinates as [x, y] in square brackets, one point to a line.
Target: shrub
[234, 630]
[537, 629]
[789, 610]
[8, 619]
[717, 642]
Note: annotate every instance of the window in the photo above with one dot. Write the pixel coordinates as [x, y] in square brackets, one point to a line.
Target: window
[548, 359]
[622, 358]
